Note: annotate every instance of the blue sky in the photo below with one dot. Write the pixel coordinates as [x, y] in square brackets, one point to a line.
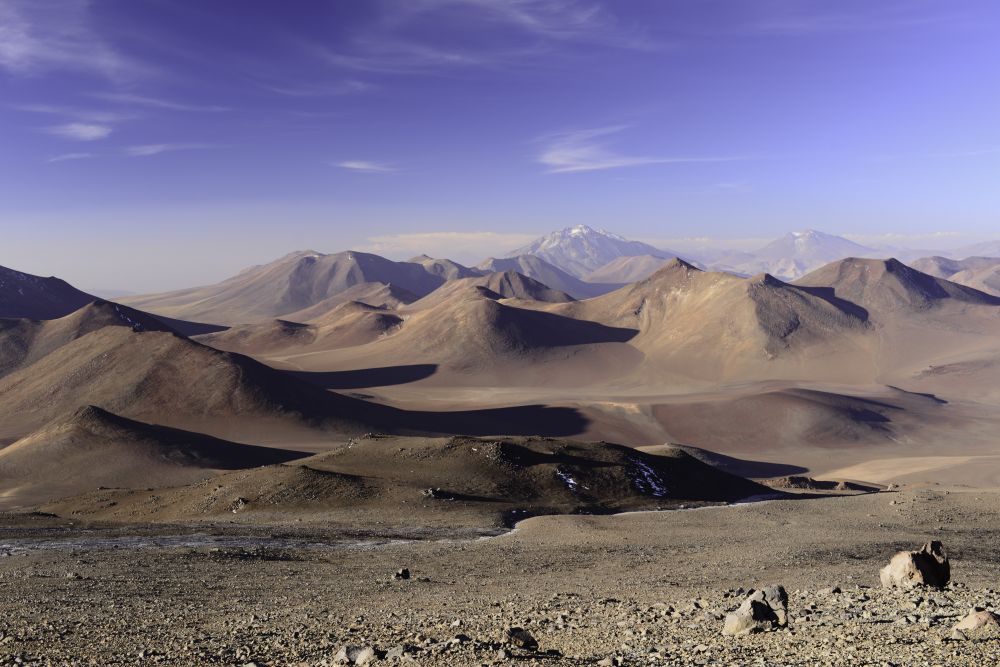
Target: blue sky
[152, 144]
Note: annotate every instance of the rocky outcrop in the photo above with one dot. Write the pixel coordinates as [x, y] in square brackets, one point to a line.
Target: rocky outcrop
[928, 566]
[765, 609]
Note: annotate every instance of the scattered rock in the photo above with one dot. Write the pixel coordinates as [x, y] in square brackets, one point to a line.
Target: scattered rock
[761, 610]
[927, 567]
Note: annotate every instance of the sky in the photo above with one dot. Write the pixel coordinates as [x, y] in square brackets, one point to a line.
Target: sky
[154, 144]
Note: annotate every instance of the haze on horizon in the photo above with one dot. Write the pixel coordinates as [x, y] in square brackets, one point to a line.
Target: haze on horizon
[149, 146]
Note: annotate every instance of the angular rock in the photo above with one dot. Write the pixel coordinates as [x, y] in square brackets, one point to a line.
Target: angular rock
[929, 566]
[402, 573]
[761, 610]
[979, 622]
[522, 639]
[354, 655]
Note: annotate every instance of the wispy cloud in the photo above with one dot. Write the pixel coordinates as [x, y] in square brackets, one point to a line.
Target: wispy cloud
[146, 150]
[366, 166]
[88, 115]
[71, 156]
[157, 103]
[80, 131]
[586, 150]
[470, 246]
[512, 32]
[319, 89]
[43, 35]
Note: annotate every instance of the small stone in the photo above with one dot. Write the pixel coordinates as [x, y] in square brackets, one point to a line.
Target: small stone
[401, 573]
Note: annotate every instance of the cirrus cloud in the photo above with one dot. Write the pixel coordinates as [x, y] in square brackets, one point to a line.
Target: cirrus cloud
[80, 131]
[585, 150]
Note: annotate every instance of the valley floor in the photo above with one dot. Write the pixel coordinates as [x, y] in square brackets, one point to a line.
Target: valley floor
[634, 589]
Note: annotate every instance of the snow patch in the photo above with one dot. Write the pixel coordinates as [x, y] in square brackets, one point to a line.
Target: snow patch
[647, 480]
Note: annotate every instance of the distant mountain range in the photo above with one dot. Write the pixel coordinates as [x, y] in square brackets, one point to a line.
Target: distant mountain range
[581, 249]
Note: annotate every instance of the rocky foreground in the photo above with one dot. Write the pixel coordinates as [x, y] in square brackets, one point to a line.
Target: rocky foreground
[634, 589]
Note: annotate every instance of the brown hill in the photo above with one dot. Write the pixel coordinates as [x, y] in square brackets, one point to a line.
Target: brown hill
[37, 298]
[24, 341]
[981, 273]
[505, 285]
[719, 326]
[458, 481]
[164, 378]
[886, 286]
[348, 324]
[538, 269]
[445, 268]
[472, 330]
[294, 282]
[390, 297]
[91, 447]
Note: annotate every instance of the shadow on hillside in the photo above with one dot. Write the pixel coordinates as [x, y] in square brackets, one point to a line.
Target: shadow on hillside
[520, 420]
[829, 294]
[366, 377]
[743, 467]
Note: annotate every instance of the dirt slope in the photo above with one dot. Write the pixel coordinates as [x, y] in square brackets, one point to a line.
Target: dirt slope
[458, 480]
[91, 447]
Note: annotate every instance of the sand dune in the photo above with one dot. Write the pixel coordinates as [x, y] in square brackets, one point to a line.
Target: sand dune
[435, 480]
[91, 447]
[293, 283]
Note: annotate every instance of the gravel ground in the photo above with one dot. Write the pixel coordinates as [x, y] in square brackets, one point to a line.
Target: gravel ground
[633, 589]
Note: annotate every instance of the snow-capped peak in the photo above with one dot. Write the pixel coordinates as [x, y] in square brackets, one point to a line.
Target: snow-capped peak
[580, 249]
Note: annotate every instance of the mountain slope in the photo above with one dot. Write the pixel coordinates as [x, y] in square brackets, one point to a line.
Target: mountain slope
[167, 379]
[37, 298]
[506, 285]
[794, 255]
[293, 283]
[886, 286]
[538, 269]
[981, 273]
[581, 249]
[346, 325]
[92, 447]
[445, 268]
[458, 481]
[626, 270]
[719, 326]
[24, 341]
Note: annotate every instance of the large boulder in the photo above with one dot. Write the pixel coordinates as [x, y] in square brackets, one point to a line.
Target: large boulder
[928, 566]
[762, 610]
